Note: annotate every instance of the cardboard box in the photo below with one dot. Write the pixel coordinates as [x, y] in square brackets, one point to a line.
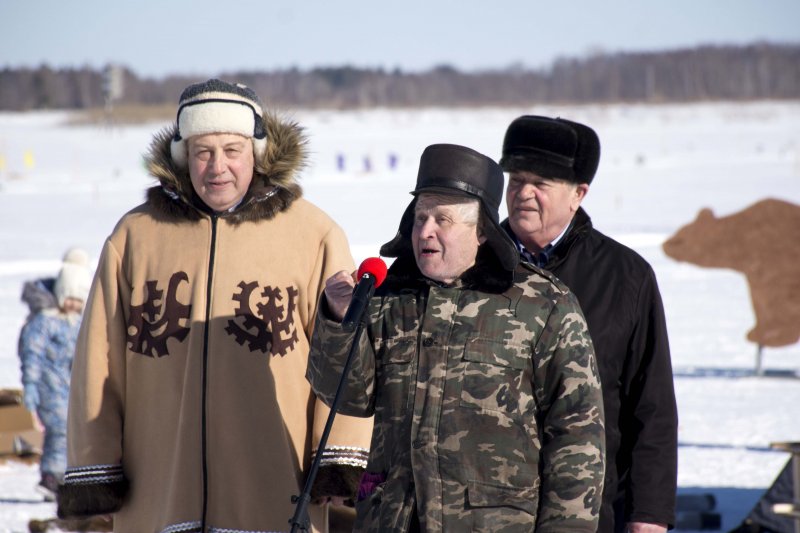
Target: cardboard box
[20, 432]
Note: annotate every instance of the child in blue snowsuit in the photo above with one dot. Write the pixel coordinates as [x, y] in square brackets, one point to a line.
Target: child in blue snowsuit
[46, 349]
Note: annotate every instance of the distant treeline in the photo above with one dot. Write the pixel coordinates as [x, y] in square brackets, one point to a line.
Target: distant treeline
[756, 71]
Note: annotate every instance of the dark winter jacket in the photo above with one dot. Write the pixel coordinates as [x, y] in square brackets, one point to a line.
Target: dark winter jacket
[619, 296]
[488, 410]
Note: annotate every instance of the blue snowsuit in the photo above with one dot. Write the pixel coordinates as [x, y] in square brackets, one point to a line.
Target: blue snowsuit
[46, 350]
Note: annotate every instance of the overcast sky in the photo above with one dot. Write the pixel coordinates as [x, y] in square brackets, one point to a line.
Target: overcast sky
[160, 37]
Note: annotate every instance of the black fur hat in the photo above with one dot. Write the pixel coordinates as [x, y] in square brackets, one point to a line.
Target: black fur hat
[552, 148]
[458, 170]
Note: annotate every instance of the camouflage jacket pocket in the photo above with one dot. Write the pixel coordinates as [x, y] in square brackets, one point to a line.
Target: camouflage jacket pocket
[395, 350]
[497, 374]
[503, 507]
[394, 373]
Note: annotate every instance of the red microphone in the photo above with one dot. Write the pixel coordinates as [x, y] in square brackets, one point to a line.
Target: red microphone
[371, 274]
[373, 266]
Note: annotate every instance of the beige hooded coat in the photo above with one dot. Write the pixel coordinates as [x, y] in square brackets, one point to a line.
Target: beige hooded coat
[189, 409]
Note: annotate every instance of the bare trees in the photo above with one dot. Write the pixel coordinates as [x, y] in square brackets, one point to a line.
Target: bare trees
[757, 71]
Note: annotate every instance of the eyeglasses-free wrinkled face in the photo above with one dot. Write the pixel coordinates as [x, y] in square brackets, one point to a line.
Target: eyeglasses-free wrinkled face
[445, 236]
[540, 208]
[221, 168]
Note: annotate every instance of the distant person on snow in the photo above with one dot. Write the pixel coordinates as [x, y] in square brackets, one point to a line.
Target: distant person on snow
[189, 408]
[478, 368]
[551, 162]
[46, 349]
[40, 293]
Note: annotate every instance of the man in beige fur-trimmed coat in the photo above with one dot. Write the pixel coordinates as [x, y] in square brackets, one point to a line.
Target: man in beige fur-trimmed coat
[189, 409]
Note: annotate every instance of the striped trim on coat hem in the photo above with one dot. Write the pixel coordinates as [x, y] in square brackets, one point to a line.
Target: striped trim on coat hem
[343, 455]
[84, 475]
[192, 527]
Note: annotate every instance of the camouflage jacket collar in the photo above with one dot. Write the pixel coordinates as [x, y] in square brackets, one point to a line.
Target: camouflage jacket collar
[487, 275]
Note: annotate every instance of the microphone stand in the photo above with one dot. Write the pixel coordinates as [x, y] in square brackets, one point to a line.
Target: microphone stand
[300, 521]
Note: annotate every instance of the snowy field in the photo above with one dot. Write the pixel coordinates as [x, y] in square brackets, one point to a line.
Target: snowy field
[62, 186]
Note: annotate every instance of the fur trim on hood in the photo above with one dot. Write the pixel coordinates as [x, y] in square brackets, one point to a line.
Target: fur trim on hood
[274, 185]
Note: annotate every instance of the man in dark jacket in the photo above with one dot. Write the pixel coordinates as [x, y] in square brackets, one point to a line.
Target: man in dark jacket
[551, 163]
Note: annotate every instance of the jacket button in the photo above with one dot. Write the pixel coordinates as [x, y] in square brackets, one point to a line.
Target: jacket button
[428, 342]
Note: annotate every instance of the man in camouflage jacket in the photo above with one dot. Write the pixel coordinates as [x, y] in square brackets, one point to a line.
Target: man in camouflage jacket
[479, 371]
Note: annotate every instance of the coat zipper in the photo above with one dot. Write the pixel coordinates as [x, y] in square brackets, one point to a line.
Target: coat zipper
[203, 407]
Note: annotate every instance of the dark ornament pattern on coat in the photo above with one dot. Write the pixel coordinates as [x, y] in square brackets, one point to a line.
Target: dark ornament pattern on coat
[147, 333]
[271, 327]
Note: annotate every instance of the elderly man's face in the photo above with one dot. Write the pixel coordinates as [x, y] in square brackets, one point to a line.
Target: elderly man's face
[540, 208]
[221, 168]
[445, 236]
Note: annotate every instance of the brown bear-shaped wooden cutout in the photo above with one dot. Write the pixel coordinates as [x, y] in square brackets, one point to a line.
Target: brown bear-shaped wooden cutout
[763, 242]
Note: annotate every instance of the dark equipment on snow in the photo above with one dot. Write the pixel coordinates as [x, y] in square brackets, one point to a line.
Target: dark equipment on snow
[778, 510]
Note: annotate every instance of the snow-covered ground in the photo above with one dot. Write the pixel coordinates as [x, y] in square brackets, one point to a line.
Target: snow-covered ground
[62, 186]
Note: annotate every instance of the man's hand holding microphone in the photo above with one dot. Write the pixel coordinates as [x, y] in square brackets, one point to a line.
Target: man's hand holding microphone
[348, 294]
